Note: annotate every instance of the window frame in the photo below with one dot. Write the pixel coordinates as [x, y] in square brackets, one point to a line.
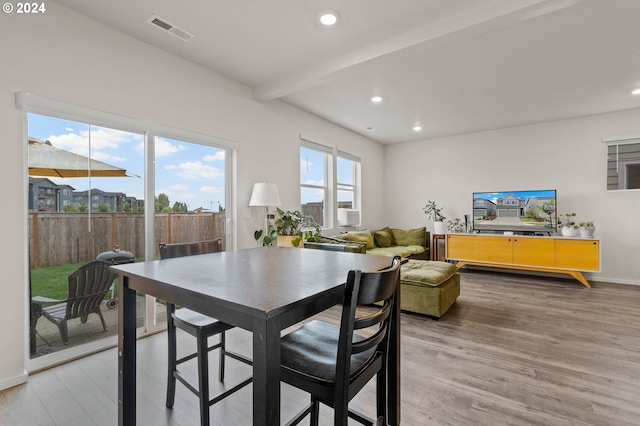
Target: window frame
[331, 185]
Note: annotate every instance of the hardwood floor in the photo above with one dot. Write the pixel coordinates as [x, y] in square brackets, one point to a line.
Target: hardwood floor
[514, 350]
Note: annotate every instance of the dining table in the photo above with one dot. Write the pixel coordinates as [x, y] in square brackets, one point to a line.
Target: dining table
[263, 290]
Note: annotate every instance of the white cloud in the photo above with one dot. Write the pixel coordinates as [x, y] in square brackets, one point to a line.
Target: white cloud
[178, 187]
[102, 141]
[305, 165]
[164, 148]
[195, 170]
[218, 156]
[210, 190]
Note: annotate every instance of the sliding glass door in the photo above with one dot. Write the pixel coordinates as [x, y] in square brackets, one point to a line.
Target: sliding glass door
[86, 186]
[101, 192]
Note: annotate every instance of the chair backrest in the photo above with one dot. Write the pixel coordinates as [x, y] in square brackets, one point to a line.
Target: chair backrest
[363, 289]
[87, 287]
[168, 251]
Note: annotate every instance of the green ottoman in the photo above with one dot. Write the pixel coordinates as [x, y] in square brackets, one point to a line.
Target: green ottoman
[428, 287]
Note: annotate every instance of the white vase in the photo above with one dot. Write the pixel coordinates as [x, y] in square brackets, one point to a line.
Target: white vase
[570, 231]
[439, 228]
[587, 232]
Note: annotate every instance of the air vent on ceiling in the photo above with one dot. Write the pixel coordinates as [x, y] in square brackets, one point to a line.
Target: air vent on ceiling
[172, 29]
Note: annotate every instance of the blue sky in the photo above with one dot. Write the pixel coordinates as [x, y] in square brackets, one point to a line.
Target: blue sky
[189, 173]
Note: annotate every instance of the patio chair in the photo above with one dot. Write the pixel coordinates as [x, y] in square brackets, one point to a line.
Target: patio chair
[201, 327]
[87, 288]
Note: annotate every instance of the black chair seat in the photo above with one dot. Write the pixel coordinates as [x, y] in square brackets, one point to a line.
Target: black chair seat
[192, 319]
[311, 351]
[333, 363]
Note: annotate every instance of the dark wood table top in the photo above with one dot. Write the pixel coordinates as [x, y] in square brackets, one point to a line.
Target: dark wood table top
[261, 282]
[263, 290]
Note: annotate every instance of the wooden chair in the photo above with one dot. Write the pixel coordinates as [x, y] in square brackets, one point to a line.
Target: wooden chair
[87, 288]
[333, 363]
[201, 327]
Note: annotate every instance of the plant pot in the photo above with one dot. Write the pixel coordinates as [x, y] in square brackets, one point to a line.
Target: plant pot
[587, 232]
[439, 228]
[286, 241]
[570, 231]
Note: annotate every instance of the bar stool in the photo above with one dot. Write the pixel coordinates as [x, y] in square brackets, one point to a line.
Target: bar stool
[201, 327]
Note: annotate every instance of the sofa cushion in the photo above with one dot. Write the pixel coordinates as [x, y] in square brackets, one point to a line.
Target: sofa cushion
[359, 237]
[384, 237]
[410, 237]
[426, 272]
[403, 251]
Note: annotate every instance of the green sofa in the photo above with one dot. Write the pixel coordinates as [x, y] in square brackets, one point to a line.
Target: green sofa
[407, 243]
[426, 287]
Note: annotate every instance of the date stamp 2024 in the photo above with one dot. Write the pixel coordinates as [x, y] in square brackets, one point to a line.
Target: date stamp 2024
[24, 8]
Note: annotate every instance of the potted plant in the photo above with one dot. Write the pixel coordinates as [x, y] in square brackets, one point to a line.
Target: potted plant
[268, 239]
[587, 229]
[292, 226]
[455, 225]
[434, 213]
[568, 225]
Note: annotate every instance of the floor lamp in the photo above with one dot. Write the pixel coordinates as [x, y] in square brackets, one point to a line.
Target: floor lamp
[265, 195]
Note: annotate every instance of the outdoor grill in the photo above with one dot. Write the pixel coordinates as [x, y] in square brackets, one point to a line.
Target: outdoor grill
[115, 257]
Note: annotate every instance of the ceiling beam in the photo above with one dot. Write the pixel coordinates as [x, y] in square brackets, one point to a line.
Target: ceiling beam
[471, 22]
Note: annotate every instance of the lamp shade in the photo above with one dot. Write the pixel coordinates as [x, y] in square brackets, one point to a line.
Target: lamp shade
[264, 194]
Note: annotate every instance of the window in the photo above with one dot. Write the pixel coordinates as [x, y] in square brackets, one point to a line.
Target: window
[314, 172]
[348, 173]
[623, 163]
[329, 180]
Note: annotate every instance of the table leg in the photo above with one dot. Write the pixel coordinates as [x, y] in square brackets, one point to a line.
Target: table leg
[394, 364]
[126, 353]
[266, 372]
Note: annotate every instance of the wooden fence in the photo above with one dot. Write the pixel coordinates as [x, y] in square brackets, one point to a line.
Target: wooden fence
[60, 238]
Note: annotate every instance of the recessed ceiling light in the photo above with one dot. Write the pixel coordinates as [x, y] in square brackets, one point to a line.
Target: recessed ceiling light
[636, 92]
[417, 128]
[329, 17]
[376, 99]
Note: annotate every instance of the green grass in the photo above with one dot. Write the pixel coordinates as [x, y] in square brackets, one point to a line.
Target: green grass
[52, 281]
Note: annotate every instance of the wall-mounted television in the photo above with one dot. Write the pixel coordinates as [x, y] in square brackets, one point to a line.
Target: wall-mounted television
[528, 212]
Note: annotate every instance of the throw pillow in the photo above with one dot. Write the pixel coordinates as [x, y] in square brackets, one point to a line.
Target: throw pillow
[410, 237]
[358, 237]
[383, 237]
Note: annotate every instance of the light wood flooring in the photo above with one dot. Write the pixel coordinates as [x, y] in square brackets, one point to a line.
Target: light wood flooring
[514, 350]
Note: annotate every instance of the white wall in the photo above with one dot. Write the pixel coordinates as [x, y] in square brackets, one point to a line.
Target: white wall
[66, 57]
[566, 155]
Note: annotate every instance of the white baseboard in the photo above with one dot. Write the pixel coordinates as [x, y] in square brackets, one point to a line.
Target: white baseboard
[56, 358]
[591, 277]
[598, 278]
[14, 381]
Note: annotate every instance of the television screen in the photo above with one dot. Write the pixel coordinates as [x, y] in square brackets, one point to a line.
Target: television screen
[517, 211]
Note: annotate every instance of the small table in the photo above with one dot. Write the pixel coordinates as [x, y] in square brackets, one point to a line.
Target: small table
[263, 290]
[434, 245]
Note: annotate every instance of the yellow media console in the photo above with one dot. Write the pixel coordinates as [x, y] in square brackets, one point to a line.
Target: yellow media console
[564, 255]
